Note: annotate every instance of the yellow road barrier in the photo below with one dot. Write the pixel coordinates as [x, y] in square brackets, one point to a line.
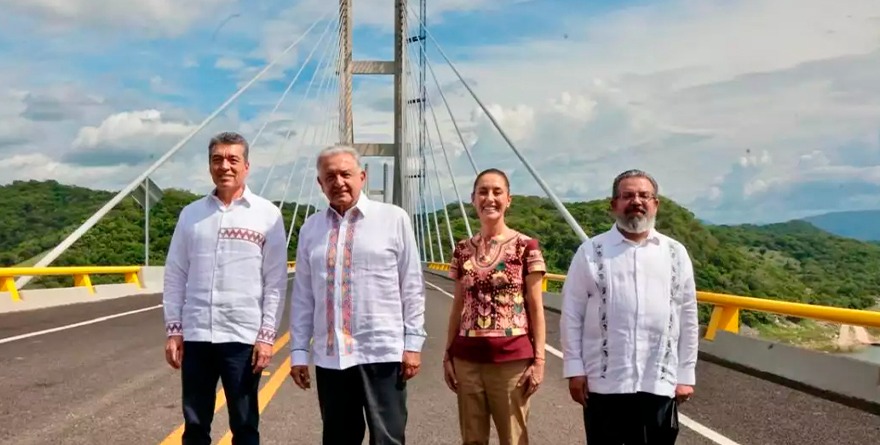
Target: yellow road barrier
[81, 276]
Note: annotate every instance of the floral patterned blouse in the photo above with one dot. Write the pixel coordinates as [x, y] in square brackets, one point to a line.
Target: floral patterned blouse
[495, 319]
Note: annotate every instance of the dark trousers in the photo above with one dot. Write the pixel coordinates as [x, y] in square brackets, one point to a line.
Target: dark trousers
[203, 365]
[631, 419]
[377, 389]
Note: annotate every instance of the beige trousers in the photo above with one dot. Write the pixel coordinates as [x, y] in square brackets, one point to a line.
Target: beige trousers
[489, 390]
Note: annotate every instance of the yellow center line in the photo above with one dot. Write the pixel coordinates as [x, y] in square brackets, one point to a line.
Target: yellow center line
[266, 393]
[176, 437]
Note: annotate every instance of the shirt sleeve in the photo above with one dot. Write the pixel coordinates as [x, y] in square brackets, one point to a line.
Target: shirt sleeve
[575, 291]
[455, 262]
[274, 279]
[689, 334]
[412, 287]
[175, 278]
[302, 303]
[534, 258]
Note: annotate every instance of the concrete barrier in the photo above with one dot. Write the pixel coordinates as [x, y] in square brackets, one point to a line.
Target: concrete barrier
[153, 277]
[841, 378]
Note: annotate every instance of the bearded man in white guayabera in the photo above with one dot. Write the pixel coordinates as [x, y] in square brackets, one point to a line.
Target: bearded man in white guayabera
[629, 323]
[225, 281]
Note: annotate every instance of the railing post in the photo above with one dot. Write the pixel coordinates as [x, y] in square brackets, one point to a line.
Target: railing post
[725, 318]
[132, 278]
[83, 280]
[7, 284]
[544, 284]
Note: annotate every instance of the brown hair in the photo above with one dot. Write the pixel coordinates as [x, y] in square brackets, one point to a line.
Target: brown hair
[489, 171]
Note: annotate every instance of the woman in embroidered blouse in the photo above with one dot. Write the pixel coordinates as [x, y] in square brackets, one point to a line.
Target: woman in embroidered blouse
[495, 344]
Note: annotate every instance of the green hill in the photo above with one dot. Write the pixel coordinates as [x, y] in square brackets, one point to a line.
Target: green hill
[860, 224]
[792, 261]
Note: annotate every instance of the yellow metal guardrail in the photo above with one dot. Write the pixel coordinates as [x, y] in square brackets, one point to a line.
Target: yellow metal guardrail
[81, 276]
[725, 314]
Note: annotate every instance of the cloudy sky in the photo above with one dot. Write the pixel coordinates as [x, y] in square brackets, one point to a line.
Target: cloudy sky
[745, 110]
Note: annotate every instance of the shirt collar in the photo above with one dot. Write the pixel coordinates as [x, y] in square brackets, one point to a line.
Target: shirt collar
[247, 197]
[617, 237]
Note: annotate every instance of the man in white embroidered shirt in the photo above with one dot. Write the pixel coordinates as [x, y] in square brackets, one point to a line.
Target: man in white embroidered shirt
[359, 294]
[225, 280]
[629, 323]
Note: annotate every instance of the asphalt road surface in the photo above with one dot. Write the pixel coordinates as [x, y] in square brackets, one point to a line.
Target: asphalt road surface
[107, 382]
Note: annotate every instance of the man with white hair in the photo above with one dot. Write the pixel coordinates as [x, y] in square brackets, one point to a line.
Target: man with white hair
[629, 323]
[357, 307]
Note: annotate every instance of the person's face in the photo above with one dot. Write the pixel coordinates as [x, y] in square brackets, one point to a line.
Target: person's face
[228, 167]
[635, 205]
[341, 180]
[491, 198]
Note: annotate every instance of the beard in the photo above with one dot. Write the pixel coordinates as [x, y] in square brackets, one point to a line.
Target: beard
[634, 222]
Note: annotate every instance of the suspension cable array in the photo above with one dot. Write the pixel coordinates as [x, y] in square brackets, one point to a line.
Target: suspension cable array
[304, 136]
[550, 194]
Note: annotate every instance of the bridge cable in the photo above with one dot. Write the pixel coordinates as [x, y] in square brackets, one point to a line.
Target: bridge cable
[312, 159]
[451, 174]
[416, 202]
[97, 216]
[425, 220]
[436, 221]
[278, 104]
[440, 185]
[306, 173]
[302, 134]
[424, 97]
[421, 133]
[323, 89]
[422, 51]
[464, 215]
[442, 197]
[556, 202]
[449, 110]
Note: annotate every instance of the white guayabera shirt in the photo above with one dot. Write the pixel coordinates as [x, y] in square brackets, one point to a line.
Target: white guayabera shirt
[226, 271]
[358, 295]
[629, 315]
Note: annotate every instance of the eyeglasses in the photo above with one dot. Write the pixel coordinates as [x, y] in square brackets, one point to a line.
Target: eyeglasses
[631, 196]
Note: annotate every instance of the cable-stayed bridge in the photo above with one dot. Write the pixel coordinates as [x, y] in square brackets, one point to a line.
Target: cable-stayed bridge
[94, 372]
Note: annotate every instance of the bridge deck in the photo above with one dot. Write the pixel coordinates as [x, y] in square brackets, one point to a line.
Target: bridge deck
[107, 382]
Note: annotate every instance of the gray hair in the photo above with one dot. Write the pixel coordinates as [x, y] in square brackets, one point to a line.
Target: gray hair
[337, 150]
[634, 173]
[229, 138]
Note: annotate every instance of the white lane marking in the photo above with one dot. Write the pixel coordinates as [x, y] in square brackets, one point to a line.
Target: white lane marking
[698, 428]
[84, 323]
[76, 325]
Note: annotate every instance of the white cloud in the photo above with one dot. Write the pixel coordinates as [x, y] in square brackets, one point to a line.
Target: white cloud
[735, 106]
[166, 17]
[687, 91]
[229, 63]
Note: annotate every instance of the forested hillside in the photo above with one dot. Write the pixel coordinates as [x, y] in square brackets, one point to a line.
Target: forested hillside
[792, 261]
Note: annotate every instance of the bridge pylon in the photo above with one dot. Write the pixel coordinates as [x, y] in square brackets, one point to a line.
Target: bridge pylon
[397, 68]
